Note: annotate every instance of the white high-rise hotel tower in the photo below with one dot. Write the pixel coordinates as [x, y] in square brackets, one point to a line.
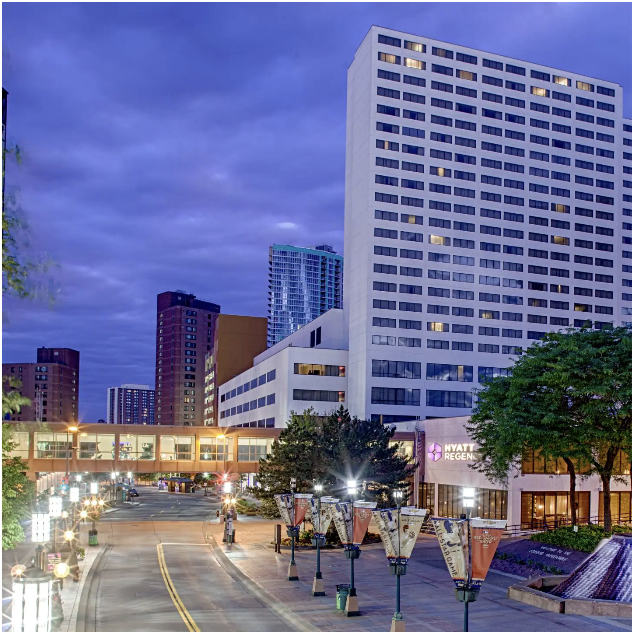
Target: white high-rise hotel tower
[488, 201]
[485, 205]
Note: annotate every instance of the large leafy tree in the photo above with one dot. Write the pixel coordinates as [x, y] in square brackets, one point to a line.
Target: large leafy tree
[332, 450]
[568, 397]
[17, 492]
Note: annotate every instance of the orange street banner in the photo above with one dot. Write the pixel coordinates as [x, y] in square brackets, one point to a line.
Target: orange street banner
[301, 505]
[362, 514]
[486, 535]
[450, 533]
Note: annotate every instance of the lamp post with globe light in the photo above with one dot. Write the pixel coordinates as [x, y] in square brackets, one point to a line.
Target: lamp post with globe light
[467, 593]
[318, 588]
[31, 609]
[353, 553]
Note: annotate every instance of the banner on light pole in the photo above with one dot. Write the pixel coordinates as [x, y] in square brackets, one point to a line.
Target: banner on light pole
[362, 514]
[292, 514]
[452, 541]
[399, 539]
[322, 519]
[486, 535]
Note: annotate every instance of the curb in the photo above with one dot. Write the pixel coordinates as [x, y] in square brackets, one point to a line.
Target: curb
[89, 593]
[268, 601]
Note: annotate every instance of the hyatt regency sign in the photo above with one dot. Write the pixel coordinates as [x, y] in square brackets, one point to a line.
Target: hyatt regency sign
[452, 451]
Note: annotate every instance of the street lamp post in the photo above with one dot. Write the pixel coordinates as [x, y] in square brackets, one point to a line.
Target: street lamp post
[353, 553]
[398, 568]
[467, 594]
[69, 429]
[318, 589]
[292, 531]
[54, 510]
[40, 534]
[32, 601]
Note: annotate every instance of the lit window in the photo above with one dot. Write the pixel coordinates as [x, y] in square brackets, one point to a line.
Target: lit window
[438, 240]
[562, 81]
[466, 74]
[539, 92]
[387, 57]
[419, 48]
[414, 63]
[438, 327]
[582, 85]
[560, 241]
[441, 171]
[560, 208]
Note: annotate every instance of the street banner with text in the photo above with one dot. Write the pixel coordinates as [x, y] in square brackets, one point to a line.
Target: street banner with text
[301, 505]
[322, 519]
[284, 505]
[342, 521]
[362, 514]
[451, 541]
[399, 540]
[486, 535]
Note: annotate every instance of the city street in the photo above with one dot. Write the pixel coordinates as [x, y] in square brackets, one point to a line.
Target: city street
[160, 543]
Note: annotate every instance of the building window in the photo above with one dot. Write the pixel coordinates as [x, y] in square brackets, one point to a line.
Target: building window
[96, 446]
[252, 449]
[490, 504]
[552, 509]
[176, 448]
[449, 399]
[213, 449]
[396, 396]
[134, 447]
[305, 395]
[319, 369]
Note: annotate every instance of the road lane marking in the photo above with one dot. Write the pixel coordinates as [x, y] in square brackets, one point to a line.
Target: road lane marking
[173, 593]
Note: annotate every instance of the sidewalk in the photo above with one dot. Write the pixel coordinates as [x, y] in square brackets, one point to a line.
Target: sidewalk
[428, 600]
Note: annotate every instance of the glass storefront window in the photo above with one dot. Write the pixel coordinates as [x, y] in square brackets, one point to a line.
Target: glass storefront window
[53, 445]
[213, 449]
[251, 449]
[427, 497]
[175, 448]
[96, 446]
[489, 503]
[534, 463]
[20, 442]
[551, 509]
[620, 507]
[134, 447]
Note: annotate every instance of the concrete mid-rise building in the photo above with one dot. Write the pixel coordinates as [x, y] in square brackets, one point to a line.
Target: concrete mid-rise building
[185, 328]
[237, 340]
[51, 383]
[131, 404]
[303, 284]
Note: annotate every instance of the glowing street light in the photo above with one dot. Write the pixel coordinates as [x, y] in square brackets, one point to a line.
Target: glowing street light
[61, 570]
[352, 553]
[94, 488]
[32, 601]
[74, 495]
[69, 535]
[83, 513]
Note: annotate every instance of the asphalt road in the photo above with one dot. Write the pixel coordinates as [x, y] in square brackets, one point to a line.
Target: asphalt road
[159, 575]
[162, 505]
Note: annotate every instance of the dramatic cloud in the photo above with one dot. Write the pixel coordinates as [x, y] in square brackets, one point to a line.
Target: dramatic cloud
[167, 146]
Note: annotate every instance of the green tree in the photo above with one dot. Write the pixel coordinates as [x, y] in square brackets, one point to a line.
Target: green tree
[568, 397]
[17, 492]
[332, 450]
[12, 399]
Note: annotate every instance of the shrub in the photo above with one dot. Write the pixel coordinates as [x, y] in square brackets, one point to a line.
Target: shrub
[586, 538]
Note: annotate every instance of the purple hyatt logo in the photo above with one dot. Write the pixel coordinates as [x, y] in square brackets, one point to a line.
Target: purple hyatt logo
[435, 451]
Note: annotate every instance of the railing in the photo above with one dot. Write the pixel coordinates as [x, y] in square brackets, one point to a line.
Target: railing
[538, 526]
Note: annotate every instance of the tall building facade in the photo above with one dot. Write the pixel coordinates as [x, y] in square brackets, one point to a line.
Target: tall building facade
[303, 284]
[51, 383]
[131, 404]
[488, 201]
[185, 328]
[236, 342]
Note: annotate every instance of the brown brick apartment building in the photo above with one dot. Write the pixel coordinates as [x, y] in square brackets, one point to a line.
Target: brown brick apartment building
[51, 383]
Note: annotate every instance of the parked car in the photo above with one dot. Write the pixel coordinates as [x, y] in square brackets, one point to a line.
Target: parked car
[132, 492]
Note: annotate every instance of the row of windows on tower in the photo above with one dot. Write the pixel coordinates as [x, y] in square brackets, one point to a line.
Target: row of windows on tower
[511, 68]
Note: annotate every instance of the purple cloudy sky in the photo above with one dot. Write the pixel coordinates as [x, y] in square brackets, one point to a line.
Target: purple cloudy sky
[166, 146]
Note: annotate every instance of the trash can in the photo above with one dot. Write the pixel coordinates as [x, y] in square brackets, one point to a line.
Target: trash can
[342, 592]
[92, 538]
